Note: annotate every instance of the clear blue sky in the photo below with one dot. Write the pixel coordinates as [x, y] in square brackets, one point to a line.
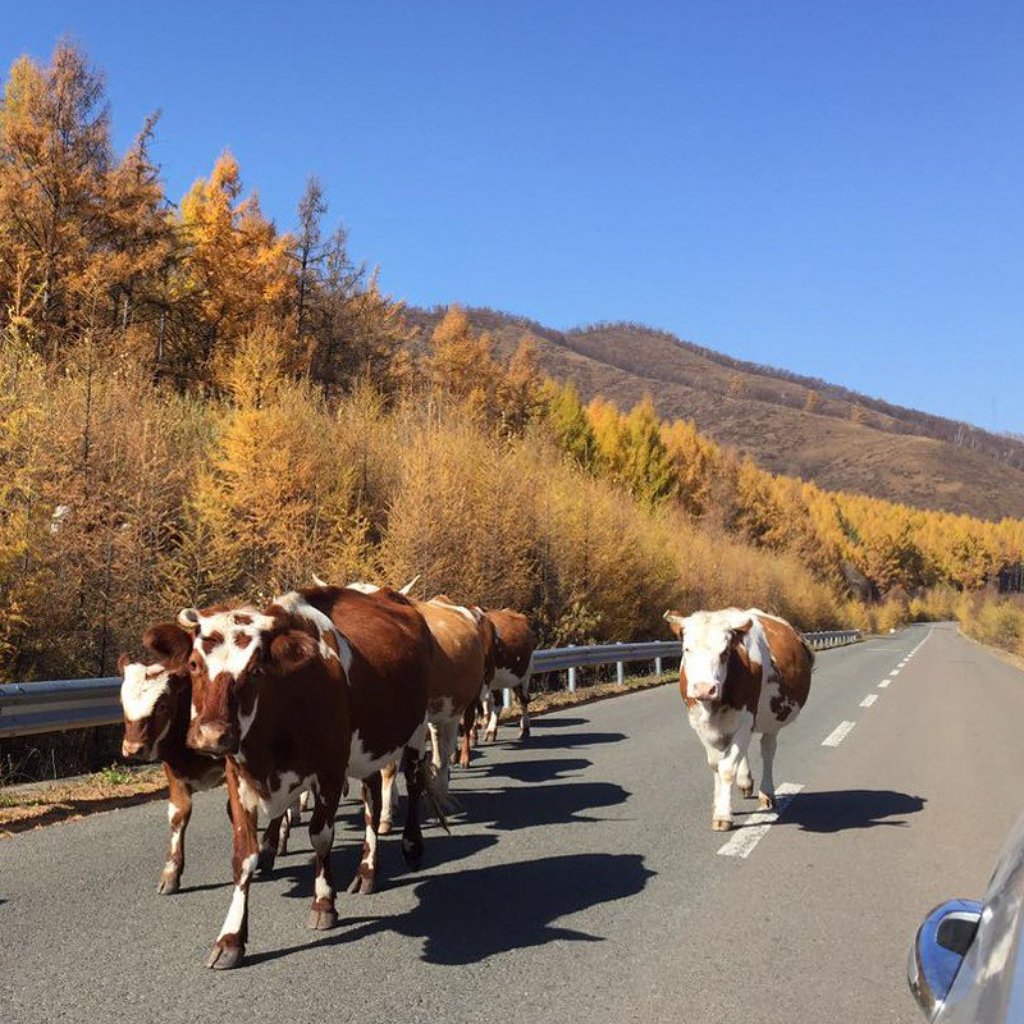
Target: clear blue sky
[831, 186]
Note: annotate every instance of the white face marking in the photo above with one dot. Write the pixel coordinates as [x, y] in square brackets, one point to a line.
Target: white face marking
[707, 638]
[142, 687]
[240, 640]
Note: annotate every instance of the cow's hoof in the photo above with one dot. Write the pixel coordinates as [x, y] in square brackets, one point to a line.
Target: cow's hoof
[282, 848]
[362, 885]
[384, 828]
[169, 884]
[265, 860]
[765, 803]
[224, 958]
[412, 851]
[721, 824]
[747, 791]
[322, 920]
[524, 734]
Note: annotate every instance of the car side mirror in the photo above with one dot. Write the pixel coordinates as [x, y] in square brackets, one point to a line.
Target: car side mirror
[939, 949]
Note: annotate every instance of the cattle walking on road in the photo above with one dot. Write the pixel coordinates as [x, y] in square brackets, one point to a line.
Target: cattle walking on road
[742, 672]
[156, 700]
[291, 703]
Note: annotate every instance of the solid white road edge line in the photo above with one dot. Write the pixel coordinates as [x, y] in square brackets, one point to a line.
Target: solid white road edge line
[841, 731]
[757, 824]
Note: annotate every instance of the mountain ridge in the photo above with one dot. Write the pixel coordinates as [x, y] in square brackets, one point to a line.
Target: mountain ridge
[787, 422]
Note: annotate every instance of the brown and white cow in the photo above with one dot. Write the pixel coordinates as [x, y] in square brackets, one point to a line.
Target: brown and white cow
[156, 700]
[293, 704]
[741, 672]
[514, 644]
[462, 665]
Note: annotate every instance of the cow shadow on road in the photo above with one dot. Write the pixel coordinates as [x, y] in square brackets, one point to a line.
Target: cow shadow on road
[567, 740]
[559, 803]
[454, 932]
[845, 809]
[545, 769]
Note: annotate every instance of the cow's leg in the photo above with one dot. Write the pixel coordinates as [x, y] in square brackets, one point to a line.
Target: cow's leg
[744, 779]
[292, 819]
[272, 841]
[179, 810]
[468, 718]
[442, 739]
[389, 797]
[490, 703]
[766, 795]
[523, 696]
[323, 914]
[725, 776]
[365, 880]
[229, 949]
[414, 768]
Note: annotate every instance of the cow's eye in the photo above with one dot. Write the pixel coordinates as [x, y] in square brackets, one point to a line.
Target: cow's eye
[193, 664]
[256, 670]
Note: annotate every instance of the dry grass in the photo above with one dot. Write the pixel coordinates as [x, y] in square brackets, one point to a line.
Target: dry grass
[23, 808]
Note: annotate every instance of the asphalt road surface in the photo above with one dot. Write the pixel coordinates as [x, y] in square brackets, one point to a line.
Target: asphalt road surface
[582, 881]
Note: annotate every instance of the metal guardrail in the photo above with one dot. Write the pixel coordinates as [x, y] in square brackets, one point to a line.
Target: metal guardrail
[31, 708]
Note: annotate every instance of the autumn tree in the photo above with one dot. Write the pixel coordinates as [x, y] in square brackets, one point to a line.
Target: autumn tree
[55, 155]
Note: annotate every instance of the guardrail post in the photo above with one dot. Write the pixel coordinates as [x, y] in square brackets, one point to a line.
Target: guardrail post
[620, 672]
[572, 676]
[657, 666]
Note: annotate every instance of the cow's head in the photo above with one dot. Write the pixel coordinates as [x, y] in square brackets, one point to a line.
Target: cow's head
[154, 697]
[708, 640]
[232, 651]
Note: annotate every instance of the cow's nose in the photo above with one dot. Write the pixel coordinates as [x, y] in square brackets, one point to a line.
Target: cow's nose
[706, 692]
[210, 738]
[131, 748]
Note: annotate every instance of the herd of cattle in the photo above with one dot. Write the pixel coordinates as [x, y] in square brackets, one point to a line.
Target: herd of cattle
[327, 684]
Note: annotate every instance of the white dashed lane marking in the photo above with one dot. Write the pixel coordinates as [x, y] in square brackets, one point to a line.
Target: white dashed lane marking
[869, 700]
[884, 683]
[894, 672]
[841, 731]
[757, 824]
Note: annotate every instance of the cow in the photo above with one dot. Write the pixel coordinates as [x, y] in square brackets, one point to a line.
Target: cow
[514, 644]
[462, 667]
[156, 700]
[292, 702]
[741, 672]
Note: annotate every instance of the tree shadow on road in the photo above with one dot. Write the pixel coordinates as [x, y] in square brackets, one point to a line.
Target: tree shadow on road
[448, 918]
[845, 809]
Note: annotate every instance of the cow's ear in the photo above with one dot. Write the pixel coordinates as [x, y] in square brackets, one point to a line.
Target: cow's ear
[169, 642]
[290, 651]
[122, 663]
[188, 618]
[675, 622]
[740, 630]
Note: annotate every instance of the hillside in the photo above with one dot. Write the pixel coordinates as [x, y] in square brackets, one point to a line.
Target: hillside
[788, 424]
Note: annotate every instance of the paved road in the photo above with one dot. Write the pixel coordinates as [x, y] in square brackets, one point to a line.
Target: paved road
[583, 881]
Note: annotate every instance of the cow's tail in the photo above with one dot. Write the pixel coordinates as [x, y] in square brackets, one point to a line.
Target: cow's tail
[437, 794]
